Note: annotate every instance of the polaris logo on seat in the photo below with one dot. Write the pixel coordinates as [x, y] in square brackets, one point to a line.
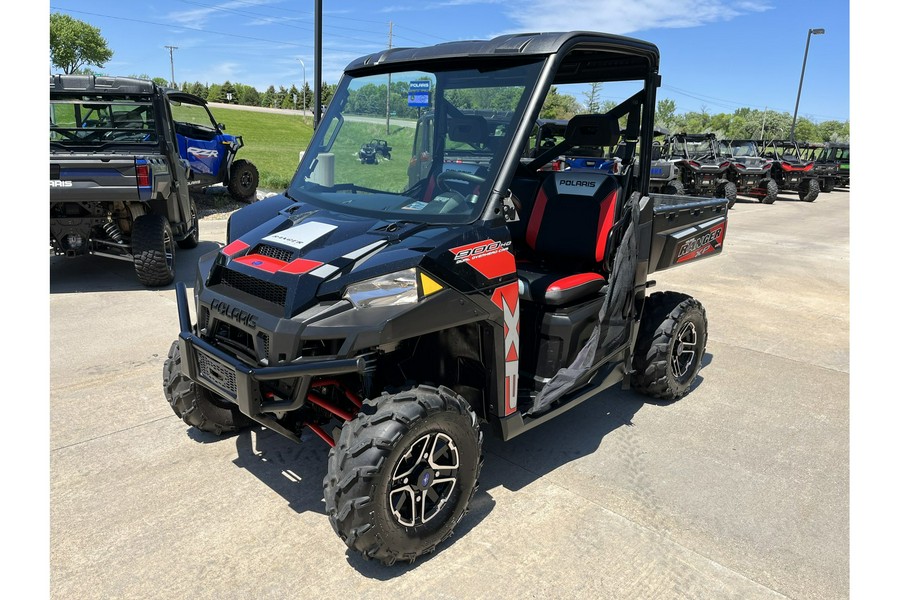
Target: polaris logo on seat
[203, 152]
[576, 182]
[585, 184]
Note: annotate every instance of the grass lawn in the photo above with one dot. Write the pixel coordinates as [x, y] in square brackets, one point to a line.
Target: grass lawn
[272, 142]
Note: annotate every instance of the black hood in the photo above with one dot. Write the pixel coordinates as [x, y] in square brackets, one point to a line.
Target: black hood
[308, 254]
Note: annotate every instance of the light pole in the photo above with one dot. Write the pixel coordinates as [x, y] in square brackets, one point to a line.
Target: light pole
[303, 91]
[811, 33]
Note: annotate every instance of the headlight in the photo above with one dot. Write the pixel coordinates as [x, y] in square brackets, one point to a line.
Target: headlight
[388, 290]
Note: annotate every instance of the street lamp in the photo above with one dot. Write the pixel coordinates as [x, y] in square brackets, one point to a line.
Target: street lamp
[303, 91]
[811, 33]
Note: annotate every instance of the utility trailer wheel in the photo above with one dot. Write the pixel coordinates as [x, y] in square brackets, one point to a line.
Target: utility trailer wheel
[809, 190]
[670, 345]
[193, 240]
[196, 405]
[403, 472]
[153, 247]
[771, 192]
[243, 181]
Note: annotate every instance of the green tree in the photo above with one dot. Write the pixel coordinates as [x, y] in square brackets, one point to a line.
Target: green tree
[268, 98]
[665, 113]
[74, 44]
[161, 81]
[592, 97]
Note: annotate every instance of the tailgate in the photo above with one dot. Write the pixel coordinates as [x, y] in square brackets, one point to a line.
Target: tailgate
[685, 229]
[93, 178]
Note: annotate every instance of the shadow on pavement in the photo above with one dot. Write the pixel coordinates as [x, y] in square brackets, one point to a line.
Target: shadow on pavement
[101, 274]
[296, 471]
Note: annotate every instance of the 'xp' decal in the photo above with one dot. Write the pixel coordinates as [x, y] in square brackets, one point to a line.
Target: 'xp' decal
[507, 298]
[702, 244]
[202, 152]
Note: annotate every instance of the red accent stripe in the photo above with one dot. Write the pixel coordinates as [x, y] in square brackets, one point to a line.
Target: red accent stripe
[537, 214]
[429, 190]
[234, 247]
[573, 281]
[319, 432]
[299, 266]
[605, 223]
[263, 263]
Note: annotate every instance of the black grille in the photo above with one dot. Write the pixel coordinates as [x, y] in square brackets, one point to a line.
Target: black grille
[203, 321]
[273, 252]
[264, 340]
[218, 374]
[250, 285]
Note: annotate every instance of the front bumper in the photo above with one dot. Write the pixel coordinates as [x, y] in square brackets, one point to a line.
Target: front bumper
[240, 383]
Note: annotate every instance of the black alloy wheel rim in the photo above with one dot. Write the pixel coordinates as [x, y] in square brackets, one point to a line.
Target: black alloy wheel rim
[424, 479]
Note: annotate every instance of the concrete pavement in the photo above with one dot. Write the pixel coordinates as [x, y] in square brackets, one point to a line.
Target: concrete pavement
[739, 490]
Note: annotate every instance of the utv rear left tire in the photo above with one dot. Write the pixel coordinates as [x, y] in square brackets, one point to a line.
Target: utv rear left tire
[196, 405]
[153, 248]
[243, 181]
[670, 345]
[674, 188]
[809, 190]
[403, 472]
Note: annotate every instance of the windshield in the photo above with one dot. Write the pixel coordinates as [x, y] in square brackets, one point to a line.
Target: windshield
[696, 149]
[429, 151]
[738, 149]
[90, 121]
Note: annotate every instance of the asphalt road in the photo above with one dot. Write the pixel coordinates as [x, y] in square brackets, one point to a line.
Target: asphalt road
[739, 490]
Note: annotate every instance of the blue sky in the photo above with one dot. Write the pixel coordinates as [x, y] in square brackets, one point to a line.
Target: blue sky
[717, 55]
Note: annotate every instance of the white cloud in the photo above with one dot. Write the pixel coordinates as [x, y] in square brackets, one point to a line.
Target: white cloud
[615, 16]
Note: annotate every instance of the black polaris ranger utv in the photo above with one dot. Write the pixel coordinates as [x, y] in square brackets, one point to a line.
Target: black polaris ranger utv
[392, 318]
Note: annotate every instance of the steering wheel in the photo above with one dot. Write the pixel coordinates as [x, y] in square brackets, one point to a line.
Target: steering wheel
[460, 176]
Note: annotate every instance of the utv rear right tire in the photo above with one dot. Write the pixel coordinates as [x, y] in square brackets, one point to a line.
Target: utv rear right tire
[670, 345]
[771, 192]
[403, 472]
[809, 190]
[196, 405]
[153, 247]
[243, 181]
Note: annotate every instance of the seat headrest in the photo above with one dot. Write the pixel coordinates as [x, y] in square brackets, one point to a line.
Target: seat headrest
[468, 129]
[593, 130]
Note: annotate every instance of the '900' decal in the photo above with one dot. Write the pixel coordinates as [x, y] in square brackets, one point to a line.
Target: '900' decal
[491, 259]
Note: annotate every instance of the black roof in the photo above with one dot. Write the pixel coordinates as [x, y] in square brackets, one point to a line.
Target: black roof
[91, 84]
[512, 46]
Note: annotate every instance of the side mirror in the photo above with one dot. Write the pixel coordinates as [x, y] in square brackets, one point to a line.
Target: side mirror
[222, 126]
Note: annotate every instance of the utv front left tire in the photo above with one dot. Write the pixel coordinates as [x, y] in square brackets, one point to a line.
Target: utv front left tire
[670, 345]
[403, 472]
[196, 405]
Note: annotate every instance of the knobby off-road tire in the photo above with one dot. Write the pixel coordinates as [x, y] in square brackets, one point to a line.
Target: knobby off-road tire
[153, 247]
[243, 181]
[670, 345]
[193, 240]
[771, 192]
[828, 186]
[674, 188]
[402, 473]
[196, 405]
[809, 190]
[727, 189]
